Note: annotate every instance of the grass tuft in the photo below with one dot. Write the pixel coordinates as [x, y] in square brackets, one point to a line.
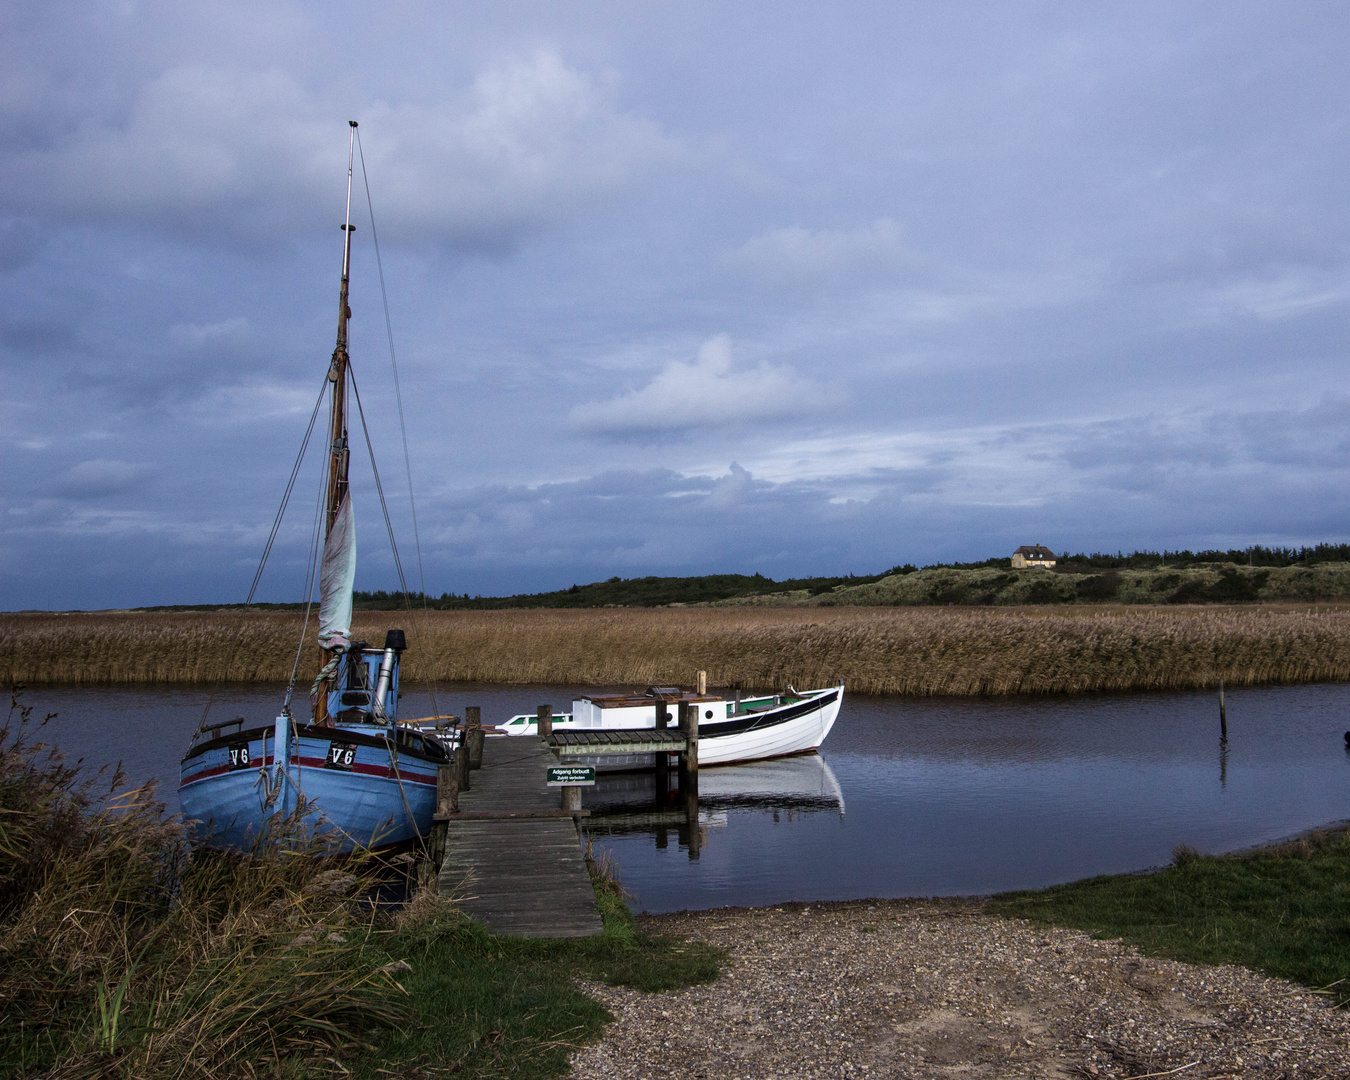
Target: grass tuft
[1283, 910]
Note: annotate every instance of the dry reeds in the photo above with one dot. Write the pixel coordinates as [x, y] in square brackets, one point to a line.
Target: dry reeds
[913, 651]
[122, 954]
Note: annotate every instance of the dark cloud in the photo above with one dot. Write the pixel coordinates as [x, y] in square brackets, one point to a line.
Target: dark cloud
[938, 280]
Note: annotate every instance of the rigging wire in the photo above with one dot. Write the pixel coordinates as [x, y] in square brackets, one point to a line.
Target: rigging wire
[402, 427]
[267, 548]
[379, 487]
[311, 576]
[286, 497]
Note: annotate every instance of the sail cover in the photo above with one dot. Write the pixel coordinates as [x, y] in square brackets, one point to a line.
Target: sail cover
[337, 576]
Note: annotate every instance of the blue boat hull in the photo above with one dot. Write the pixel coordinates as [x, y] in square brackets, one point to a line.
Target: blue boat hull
[372, 791]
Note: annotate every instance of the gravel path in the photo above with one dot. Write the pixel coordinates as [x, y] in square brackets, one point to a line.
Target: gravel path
[940, 989]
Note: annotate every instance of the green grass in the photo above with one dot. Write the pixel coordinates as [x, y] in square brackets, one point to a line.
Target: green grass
[1283, 910]
[491, 1006]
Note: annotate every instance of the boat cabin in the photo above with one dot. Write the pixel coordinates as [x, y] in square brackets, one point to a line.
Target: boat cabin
[635, 710]
[365, 690]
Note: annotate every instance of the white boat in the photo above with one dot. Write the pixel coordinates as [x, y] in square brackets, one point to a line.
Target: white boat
[742, 729]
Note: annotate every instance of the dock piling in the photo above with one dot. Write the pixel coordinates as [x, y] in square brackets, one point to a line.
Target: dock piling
[473, 736]
[661, 762]
[461, 762]
[689, 772]
[447, 789]
[544, 720]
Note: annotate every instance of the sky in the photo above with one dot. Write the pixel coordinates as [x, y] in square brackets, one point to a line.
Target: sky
[673, 288]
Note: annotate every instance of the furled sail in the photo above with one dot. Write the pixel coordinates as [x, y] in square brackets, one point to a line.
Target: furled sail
[337, 577]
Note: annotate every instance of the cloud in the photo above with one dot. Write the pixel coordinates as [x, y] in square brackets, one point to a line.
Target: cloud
[799, 253]
[197, 336]
[1285, 295]
[99, 478]
[258, 153]
[706, 393]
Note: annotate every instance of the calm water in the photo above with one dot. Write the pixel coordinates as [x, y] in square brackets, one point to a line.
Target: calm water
[909, 798]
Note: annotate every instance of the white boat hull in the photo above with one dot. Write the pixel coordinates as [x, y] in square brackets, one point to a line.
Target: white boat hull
[728, 733]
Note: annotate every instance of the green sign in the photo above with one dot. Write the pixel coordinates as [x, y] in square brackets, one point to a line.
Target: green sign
[571, 775]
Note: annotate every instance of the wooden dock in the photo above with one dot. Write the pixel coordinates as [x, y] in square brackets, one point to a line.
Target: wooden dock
[509, 845]
[513, 858]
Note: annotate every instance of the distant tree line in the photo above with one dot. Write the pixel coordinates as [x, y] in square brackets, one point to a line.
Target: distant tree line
[621, 592]
[661, 591]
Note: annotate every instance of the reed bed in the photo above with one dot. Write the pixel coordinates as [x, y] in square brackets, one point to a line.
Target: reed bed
[910, 651]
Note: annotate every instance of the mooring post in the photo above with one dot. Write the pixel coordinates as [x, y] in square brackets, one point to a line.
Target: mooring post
[689, 755]
[473, 720]
[462, 761]
[447, 789]
[1223, 715]
[689, 772]
[662, 759]
[544, 720]
[702, 683]
[571, 797]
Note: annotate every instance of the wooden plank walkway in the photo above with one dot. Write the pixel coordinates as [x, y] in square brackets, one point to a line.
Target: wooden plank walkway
[638, 741]
[523, 876]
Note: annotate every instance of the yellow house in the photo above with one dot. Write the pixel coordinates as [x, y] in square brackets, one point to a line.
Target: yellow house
[1025, 557]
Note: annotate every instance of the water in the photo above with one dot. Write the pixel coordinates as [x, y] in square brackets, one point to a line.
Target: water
[908, 798]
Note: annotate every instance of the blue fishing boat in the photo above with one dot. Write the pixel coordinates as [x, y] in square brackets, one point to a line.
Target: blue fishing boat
[352, 768]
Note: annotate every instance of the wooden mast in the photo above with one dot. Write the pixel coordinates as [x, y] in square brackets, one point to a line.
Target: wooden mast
[339, 455]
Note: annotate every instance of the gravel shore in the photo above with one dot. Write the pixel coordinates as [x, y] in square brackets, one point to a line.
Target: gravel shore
[942, 989]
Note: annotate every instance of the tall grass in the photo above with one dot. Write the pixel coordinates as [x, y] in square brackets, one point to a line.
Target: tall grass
[915, 651]
[122, 953]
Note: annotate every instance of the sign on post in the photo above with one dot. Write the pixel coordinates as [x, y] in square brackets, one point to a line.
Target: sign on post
[571, 775]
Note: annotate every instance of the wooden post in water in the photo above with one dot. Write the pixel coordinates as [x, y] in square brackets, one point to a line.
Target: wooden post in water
[1223, 716]
[689, 755]
[689, 772]
[702, 683]
[473, 721]
[544, 720]
[571, 798]
[662, 760]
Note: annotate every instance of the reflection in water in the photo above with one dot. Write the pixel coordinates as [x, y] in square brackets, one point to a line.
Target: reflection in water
[634, 804]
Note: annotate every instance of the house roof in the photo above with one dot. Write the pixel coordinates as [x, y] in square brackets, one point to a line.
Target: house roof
[1035, 552]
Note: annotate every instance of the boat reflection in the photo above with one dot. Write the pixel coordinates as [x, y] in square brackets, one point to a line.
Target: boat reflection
[633, 803]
